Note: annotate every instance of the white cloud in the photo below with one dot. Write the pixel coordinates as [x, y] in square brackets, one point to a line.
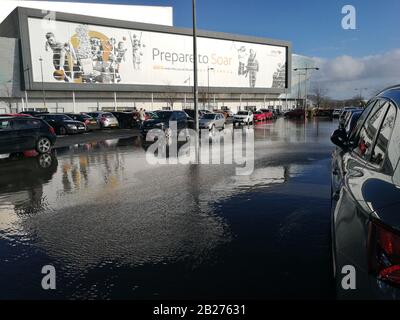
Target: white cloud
[343, 74]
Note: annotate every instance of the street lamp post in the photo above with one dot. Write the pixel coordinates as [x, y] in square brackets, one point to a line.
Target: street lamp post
[306, 69]
[44, 92]
[361, 90]
[208, 85]
[195, 83]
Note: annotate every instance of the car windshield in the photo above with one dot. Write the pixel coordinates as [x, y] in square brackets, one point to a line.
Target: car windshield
[242, 113]
[209, 116]
[257, 112]
[107, 115]
[163, 115]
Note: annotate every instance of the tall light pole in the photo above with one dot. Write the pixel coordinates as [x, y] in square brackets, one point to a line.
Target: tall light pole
[195, 81]
[306, 69]
[361, 90]
[299, 87]
[208, 85]
[44, 92]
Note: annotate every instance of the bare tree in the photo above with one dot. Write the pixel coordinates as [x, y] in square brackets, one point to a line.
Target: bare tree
[8, 93]
[319, 94]
[170, 95]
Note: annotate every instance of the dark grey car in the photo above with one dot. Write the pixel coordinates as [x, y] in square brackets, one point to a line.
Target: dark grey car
[366, 202]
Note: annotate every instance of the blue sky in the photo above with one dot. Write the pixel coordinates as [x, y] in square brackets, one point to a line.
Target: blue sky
[313, 26]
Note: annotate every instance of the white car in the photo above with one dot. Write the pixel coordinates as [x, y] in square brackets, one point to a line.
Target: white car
[336, 113]
[243, 117]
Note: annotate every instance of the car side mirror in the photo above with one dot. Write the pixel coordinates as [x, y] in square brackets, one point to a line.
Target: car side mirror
[340, 139]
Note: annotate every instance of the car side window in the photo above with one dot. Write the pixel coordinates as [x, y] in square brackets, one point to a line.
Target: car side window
[383, 139]
[370, 130]
[5, 125]
[361, 120]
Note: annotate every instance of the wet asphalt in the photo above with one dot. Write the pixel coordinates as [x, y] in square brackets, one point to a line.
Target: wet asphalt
[116, 227]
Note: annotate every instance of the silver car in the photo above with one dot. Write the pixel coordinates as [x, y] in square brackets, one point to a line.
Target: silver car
[105, 119]
[212, 121]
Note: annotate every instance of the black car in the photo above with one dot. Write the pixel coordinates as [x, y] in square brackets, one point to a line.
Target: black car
[63, 124]
[90, 122]
[34, 113]
[125, 119]
[18, 134]
[162, 121]
[366, 200]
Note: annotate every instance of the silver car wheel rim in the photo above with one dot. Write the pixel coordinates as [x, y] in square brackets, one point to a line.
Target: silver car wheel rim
[44, 145]
[45, 161]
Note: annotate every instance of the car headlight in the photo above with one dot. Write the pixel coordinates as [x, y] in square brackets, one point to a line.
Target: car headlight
[71, 126]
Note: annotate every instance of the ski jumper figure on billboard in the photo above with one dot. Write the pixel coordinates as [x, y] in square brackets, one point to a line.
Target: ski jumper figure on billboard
[64, 67]
[252, 68]
[137, 52]
[242, 56]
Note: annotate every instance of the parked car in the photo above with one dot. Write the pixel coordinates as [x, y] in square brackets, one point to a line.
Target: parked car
[365, 200]
[351, 119]
[336, 113]
[125, 119]
[150, 115]
[269, 115]
[163, 120]
[106, 119]
[295, 114]
[212, 121]
[19, 134]
[345, 114]
[63, 124]
[34, 113]
[190, 112]
[243, 117]
[15, 115]
[323, 113]
[259, 116]
[90, 122]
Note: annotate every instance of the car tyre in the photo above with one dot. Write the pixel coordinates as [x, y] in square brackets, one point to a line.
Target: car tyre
[43, 145]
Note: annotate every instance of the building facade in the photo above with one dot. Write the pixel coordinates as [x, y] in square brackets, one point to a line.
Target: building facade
[78, 63]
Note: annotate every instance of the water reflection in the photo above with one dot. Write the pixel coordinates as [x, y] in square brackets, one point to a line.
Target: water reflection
[99, 204]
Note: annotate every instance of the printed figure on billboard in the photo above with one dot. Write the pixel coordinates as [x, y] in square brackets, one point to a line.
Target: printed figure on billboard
[89, 57]
[243, 56]
[252, 68]
[64, 68]
[279, 77]
[137, 51]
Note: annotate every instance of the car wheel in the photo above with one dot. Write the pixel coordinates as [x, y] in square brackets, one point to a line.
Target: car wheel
[63, 131]
[43, 145]
[45, 161]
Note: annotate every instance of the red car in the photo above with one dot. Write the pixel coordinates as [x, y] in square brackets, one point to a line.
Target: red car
[269, 115]
[295, 114]
[15, 115]
[259, 116]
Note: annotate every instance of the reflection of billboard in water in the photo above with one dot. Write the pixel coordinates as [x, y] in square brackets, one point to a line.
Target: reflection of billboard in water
[80, 53]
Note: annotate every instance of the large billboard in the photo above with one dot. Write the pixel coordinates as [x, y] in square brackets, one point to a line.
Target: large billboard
[91, 55]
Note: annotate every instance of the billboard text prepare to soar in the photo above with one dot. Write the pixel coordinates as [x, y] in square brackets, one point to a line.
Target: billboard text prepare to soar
[75, 53]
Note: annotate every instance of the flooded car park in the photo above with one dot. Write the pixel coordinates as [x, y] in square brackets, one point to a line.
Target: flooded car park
[115, 226]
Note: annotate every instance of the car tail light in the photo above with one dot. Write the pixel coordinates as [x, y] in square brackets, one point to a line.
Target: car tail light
[384, 252]
[87, 121]
[103, 119]
[52, 131]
